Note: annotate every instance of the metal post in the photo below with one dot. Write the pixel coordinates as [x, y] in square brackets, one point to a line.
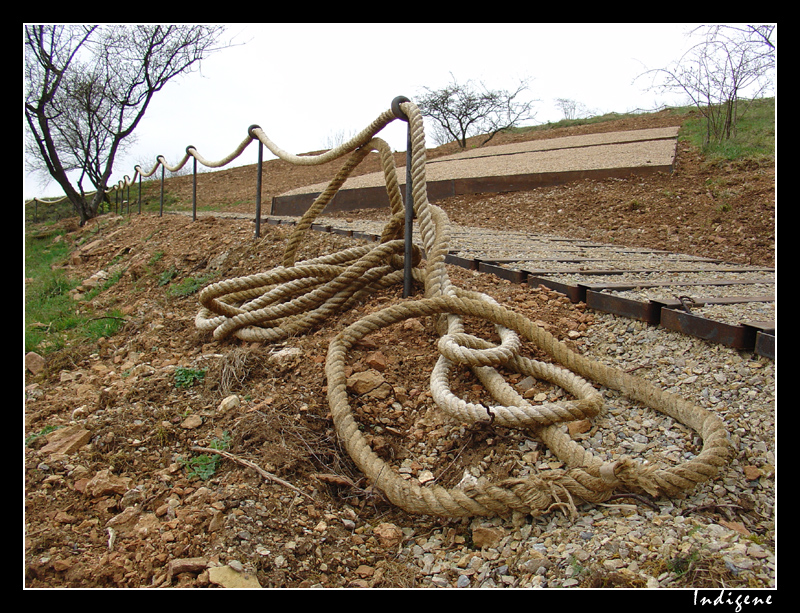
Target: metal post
[161, 205]
[409, 204]
[258, 179]
[140, 193]
[194, 184]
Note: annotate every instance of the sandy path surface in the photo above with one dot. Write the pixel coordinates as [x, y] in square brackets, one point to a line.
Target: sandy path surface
[631, 149]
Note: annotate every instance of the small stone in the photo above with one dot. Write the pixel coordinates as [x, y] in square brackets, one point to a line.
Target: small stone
[231, 402]
[285, 355]
[105, 483]
[579, 427]
[365, 571]
[34, 362]
[187, 565]
[225, 576]
[125, 520]
[751, 473]
[526, 384]
[426, 476]
[192, 422]
[377, 361]
[486, 537]
[361, 383]
[388, 535]
[66, 440]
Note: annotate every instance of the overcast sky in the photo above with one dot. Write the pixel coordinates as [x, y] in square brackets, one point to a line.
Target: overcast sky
[303, 83]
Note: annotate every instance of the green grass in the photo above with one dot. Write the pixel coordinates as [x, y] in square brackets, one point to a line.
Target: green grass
[755, 133]
[53, 320]
[187, 377]
[205, 465]
[188, 286]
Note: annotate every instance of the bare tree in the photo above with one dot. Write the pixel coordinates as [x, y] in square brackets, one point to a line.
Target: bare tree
[730, 63]
[339, 137]
[570, 108]
[464, 110]
[88, 87]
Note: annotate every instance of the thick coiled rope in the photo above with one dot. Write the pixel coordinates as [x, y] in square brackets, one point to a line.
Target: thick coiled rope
[294, 297]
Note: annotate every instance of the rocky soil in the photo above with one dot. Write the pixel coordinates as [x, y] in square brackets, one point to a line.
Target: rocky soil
[124, 485]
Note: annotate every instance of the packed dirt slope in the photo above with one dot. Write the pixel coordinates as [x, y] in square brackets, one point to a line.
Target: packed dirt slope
[121, 507]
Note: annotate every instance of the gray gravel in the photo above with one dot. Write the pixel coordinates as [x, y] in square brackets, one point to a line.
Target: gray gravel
[538, 253]
[638, 543]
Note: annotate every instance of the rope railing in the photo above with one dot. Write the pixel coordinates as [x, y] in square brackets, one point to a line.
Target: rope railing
[254, 133]
[295, 297]
[161, 162]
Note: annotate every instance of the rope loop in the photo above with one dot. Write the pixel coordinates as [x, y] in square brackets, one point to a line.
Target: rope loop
[295, 297]
[463, 348]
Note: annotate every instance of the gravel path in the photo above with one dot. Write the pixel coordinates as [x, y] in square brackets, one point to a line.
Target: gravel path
[636, 148]
[663, 276]
[625, 540]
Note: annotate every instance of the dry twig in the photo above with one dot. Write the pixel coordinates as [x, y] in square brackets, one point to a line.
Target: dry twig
[255, 467]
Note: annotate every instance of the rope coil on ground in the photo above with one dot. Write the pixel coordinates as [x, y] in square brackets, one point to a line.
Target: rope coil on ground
[294, 297]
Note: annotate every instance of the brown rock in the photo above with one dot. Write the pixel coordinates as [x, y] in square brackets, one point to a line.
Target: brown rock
[126, 520]
[486, 537]
[579, 427]
[388, 535]
[63, 517]
[364, 382]
[66, 440]
[225, 576]
[192, 422]
[187, 565]
[34, 362]
[365, 571]
[751, 473]
[105, 483]
[377, 360]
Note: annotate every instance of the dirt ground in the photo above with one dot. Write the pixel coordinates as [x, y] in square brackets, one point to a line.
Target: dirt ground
[120, 507]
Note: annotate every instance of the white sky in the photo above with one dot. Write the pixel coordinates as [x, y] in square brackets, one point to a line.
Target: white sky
[303, 83]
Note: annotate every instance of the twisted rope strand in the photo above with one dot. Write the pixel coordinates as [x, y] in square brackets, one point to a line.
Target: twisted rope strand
[294, 297]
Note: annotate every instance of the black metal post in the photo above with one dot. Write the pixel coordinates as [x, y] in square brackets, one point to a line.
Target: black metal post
[161, 205]
[258, 188]
[258, 179]
[409, 203]
[140, 193]
[194, 186]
